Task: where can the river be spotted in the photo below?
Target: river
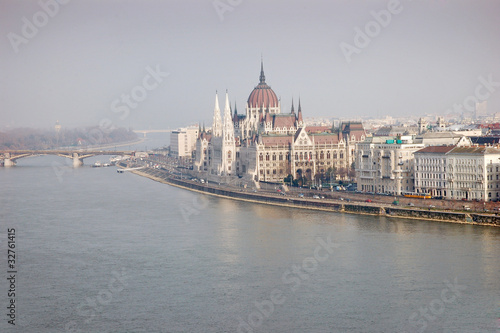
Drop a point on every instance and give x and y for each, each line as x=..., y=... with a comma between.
x=98, y=251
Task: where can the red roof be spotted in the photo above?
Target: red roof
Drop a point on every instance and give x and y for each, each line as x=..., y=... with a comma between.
x=284, y=120
x=277, y=140
x=262, y=96
x=435, y=149
x=318, y=129
x=326, y=138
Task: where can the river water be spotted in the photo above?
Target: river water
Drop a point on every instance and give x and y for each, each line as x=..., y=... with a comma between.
x=98, y=251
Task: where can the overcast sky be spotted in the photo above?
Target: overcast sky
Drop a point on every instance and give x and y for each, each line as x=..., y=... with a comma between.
x=77, y=61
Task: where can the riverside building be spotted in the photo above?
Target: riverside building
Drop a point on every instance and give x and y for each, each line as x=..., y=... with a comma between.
x=266, y=144
x=385, y=164
x=470, y=173
x=183, y=141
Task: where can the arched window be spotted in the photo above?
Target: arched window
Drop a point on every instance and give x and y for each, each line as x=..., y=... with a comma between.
x=229, y=154
x=261, y=158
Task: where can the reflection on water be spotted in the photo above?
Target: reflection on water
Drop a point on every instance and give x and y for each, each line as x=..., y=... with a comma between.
x=202, y=268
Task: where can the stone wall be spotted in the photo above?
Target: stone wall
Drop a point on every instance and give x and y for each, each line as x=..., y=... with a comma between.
x=426, y=214
x=489, y=219
x=357, y=208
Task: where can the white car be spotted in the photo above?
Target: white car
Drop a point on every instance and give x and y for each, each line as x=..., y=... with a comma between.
x=315, y=197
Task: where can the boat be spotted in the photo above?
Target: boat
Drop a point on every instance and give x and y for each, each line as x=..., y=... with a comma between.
x=97, y=164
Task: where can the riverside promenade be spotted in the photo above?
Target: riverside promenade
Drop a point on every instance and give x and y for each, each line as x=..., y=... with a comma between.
x=331, y=205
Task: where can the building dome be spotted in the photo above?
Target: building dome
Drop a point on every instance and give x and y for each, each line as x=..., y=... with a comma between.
x=262, y=95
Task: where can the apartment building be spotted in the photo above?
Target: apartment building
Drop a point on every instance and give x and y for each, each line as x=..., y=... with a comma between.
x=385, y=164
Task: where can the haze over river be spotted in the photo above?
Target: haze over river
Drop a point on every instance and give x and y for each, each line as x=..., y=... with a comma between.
x=98, y=251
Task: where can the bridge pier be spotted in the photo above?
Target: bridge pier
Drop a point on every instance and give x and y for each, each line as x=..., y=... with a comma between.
x=7, y=162
x=77, y=161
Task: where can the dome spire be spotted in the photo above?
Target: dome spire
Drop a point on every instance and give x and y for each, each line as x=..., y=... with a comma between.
x=262, y=76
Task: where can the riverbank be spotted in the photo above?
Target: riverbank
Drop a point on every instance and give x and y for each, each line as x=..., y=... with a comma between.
x=321, y=204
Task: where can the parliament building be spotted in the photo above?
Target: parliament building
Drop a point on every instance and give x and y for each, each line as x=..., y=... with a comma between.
x=266, y=144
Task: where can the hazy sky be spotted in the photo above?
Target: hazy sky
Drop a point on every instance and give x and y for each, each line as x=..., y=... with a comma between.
x=76, y=62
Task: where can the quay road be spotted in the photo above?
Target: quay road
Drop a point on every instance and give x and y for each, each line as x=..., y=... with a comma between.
x=170, y=169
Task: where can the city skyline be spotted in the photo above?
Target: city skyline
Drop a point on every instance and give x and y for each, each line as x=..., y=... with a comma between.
x=78, y=62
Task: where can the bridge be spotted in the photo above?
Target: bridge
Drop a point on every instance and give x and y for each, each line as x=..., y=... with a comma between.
x=144, y=132
x=9, y=157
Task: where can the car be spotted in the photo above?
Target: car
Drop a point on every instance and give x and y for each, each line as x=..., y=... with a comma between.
x=341, y=199
x=466, y=208
x=368, y=200
x=315, y=196
x=301, y=195
x=432, y=206
x=322, y=197
x=411, y=204
x=348, y=200
x=283, y=193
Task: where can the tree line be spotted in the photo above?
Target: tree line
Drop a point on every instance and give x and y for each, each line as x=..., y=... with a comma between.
x=30, y=138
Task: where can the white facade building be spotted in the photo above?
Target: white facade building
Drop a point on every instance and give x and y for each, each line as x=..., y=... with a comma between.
x=430, y=170
x=183, y=141
x=470, y=173
x=385, y=165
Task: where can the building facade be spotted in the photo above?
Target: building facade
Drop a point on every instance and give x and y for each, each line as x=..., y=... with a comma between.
x=470, y=173
x=265, y=144
x=430, y=170
x=183, y=141
x=385, y=164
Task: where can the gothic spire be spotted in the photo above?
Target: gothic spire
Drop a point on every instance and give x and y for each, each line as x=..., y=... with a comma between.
x=293, y=110
x=299, y=113
x=235, y=115
x=228, y=122
x=262, y=76
x=217, y=122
